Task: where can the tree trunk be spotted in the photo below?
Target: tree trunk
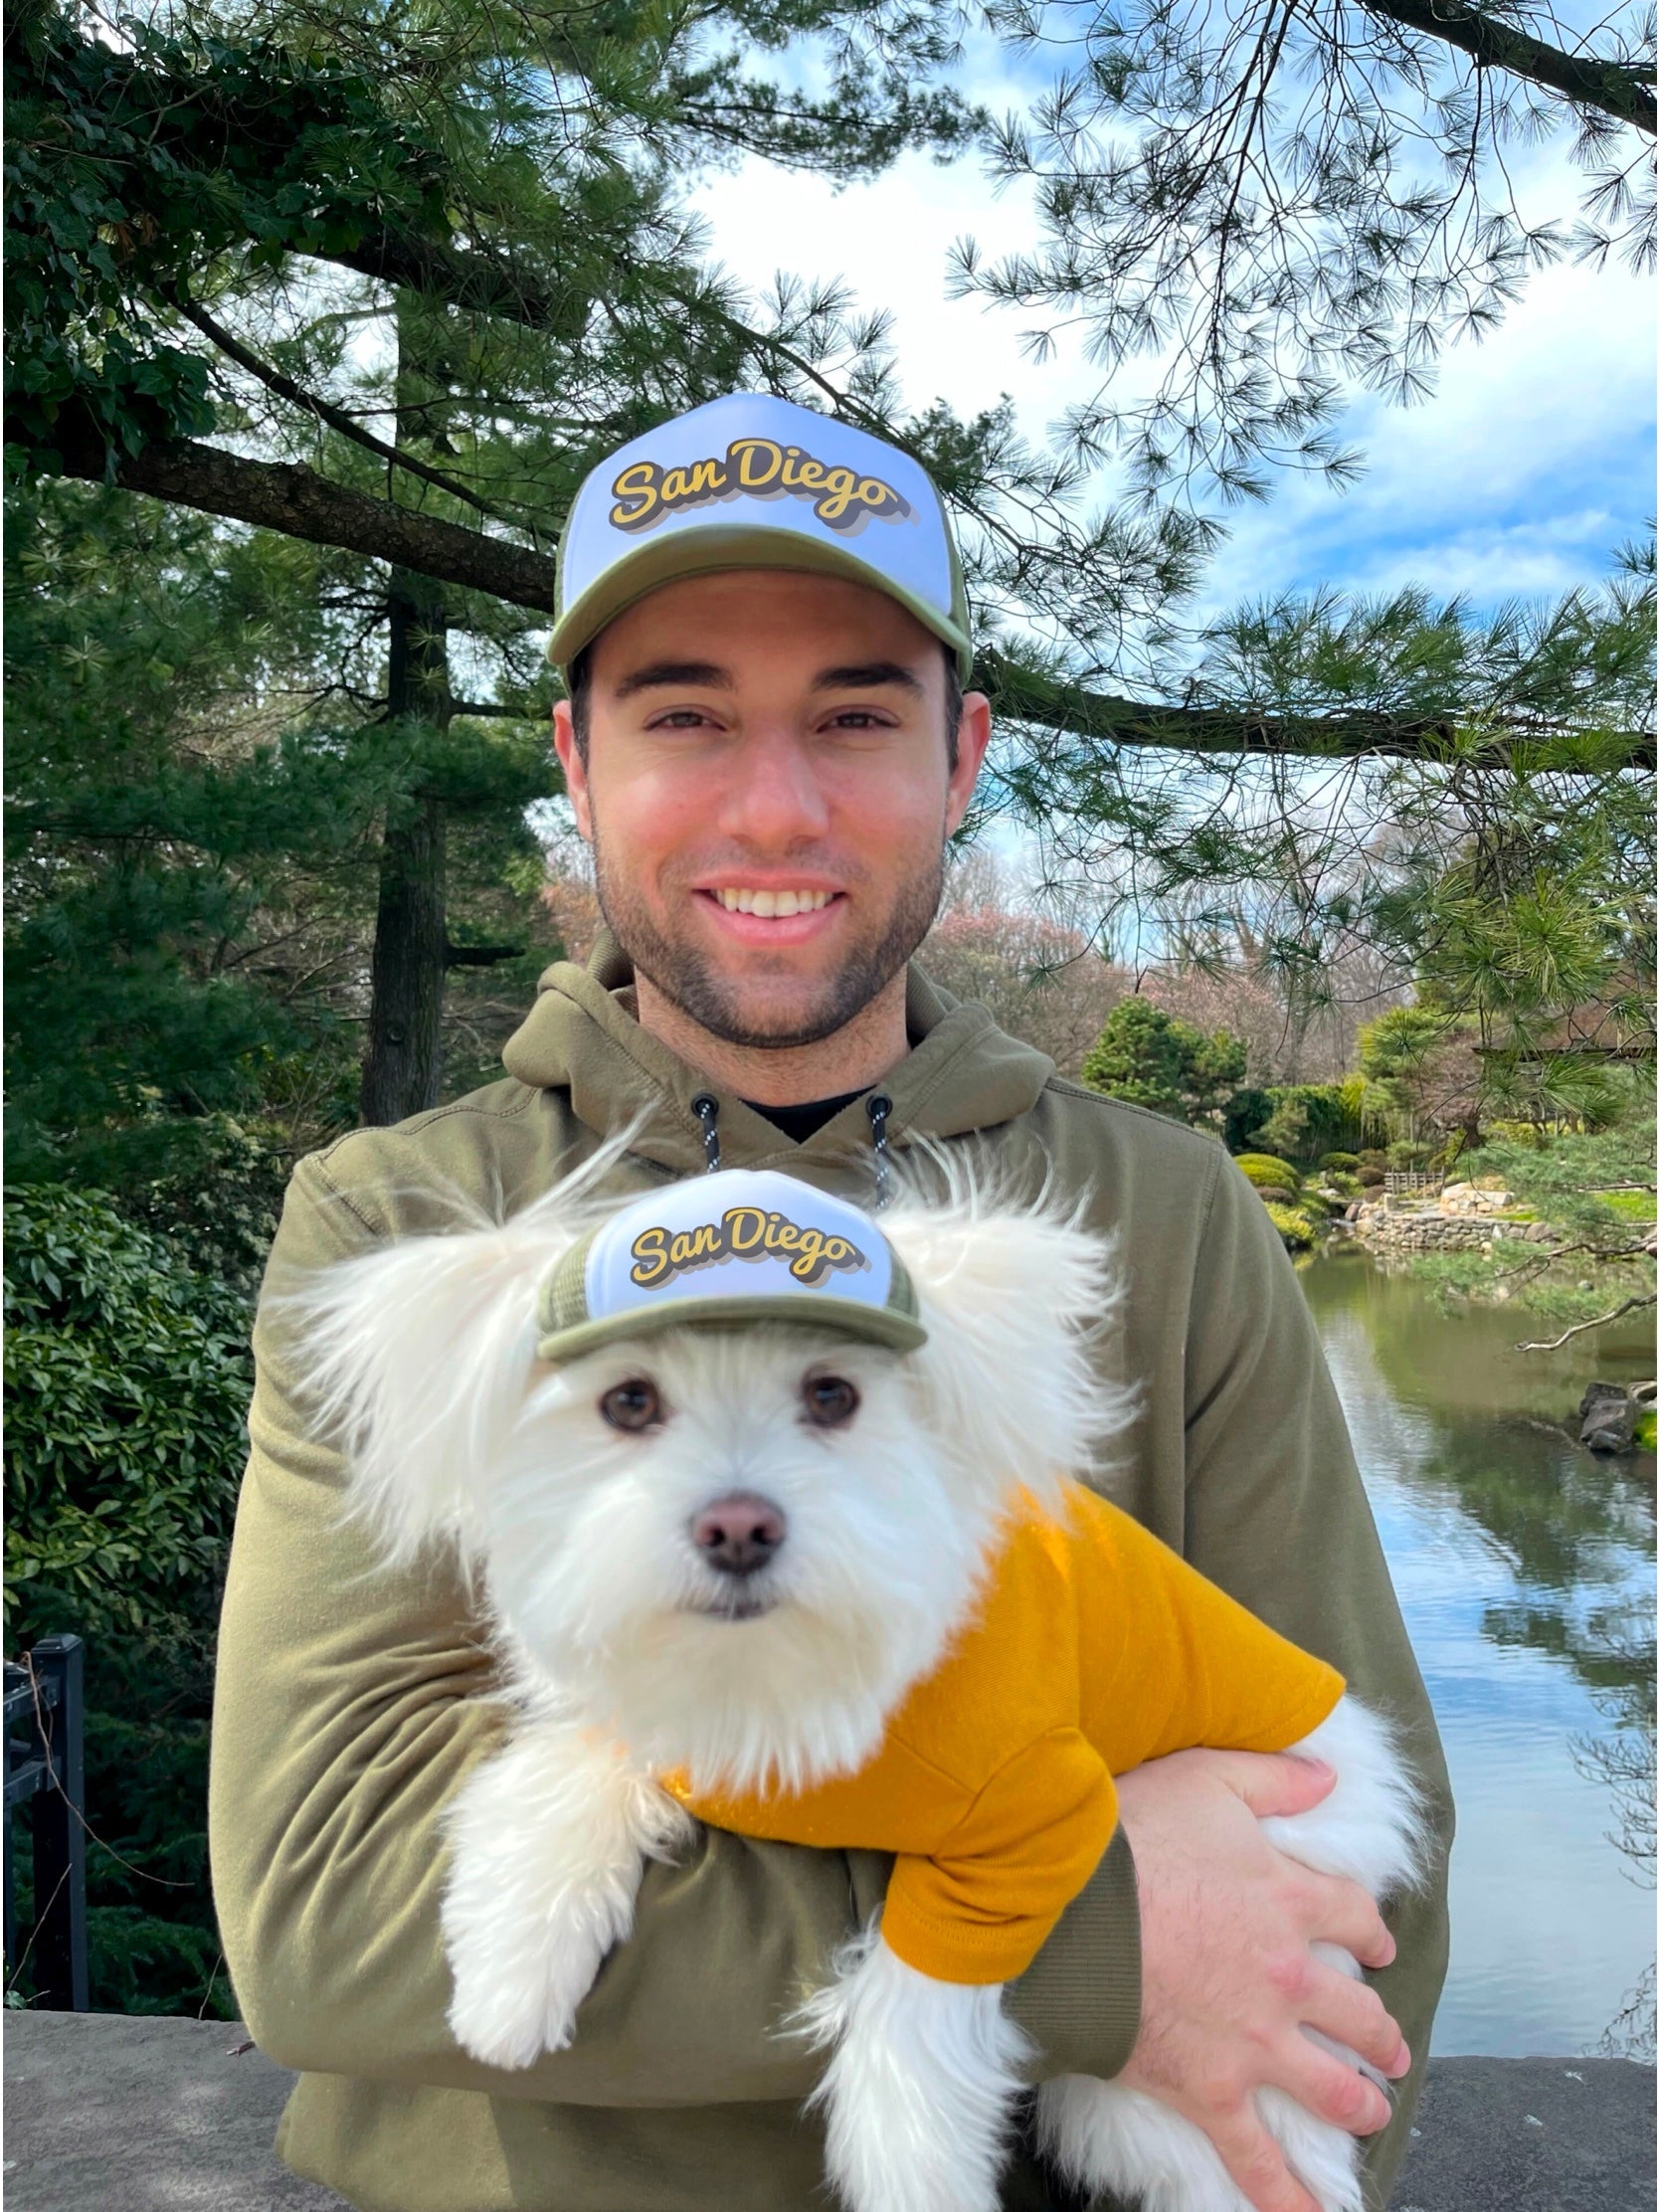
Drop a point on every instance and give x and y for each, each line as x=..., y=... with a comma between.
x=404, y=1063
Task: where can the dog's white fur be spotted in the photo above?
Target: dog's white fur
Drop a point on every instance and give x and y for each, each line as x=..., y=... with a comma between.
x=624, y=1660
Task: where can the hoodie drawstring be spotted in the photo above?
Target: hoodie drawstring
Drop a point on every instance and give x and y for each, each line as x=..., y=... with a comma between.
x=707, y=1110
x=878, y=1106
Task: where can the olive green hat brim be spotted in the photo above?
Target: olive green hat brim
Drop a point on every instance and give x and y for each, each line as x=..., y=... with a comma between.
x=881, y=1324
x=713, y=551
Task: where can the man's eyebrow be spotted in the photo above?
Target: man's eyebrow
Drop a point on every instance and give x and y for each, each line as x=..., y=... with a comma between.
x=657, y=673
x=866, y=676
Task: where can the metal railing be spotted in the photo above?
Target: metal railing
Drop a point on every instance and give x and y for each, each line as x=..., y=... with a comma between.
x=43, y=1774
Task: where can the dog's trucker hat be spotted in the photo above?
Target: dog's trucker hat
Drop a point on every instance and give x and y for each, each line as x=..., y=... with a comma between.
x=753, y=482
x=741, y=1246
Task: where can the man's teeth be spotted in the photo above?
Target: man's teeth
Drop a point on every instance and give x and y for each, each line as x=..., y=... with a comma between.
x=772, y=905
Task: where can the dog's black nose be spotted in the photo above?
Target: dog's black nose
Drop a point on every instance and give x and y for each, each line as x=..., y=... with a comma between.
x=739, y=1533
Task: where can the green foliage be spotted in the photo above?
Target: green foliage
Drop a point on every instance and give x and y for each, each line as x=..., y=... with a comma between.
x=1246, y=1110
x=128, y=1375
x=1268, y=1173
x=1151, y=1059
x=1294, y=1224
x=1340, y=1163
x=1563, y=1179
x=1306, y=1119
x=127, y=1381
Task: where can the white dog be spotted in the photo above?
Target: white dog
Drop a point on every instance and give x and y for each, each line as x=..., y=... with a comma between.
x=722, y=1538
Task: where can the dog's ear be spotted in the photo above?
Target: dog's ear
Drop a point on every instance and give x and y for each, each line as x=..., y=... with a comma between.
x=415, y=1357
x=1012, y=1298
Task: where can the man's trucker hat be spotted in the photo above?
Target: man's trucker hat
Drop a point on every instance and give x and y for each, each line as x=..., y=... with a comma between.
x=741, y=1246
x=753, y=482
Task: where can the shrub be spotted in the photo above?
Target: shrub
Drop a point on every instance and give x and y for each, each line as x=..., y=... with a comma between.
x=1370, y=1176
x=1307, y=1119
x=128, y=1375
x=1268, y=1173
x=1147, y=1058
x=1345, y=1185
x=1293, y=1226
x=1341, y=1162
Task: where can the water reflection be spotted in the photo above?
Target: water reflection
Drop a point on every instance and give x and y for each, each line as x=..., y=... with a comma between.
x=1523, y=1566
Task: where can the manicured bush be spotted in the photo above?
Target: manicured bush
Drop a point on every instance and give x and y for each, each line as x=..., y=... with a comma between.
x=1340, y=1163
x=1266, y=1173
x=1370, y=1176
x=1293, y=1224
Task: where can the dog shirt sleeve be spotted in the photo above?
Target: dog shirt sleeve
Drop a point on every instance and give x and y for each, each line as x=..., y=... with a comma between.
x=1171, y=1661
x=979, y=1908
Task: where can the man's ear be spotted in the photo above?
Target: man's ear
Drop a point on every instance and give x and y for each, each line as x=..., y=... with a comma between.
x=574, y=766
x=1011, y=1298
x=417, y=1356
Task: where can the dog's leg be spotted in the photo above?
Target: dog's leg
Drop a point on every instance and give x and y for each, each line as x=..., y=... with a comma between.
x=917, y=2093
x=1369, y=1829
x=547, y=1843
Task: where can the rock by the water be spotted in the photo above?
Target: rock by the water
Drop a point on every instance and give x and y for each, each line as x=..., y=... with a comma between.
x=1607, y=1419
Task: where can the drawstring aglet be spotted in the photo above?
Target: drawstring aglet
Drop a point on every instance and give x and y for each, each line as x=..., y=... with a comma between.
x=707, y=1110
x=877, y=1107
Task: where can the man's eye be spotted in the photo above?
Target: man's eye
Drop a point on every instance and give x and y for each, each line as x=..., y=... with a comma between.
x=830, y=1400
x=859, y=718
x=681, y=718
x=633, y=1406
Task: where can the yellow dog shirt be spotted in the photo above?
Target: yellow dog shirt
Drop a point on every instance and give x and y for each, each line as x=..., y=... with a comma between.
x=1093, y=1648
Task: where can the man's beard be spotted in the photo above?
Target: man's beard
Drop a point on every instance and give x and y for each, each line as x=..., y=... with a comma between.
x=685, y=978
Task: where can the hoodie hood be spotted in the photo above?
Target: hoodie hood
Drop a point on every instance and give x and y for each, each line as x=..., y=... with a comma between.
x=961, y=1074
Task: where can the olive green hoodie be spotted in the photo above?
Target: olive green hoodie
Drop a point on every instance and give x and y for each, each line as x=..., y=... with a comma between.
x=353, y=1701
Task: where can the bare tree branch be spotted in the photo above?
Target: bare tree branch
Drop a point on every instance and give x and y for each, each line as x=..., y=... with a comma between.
x=1631, y=1305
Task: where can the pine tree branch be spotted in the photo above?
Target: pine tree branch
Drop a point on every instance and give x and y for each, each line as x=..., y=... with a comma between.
x=279, y=495
x=1019, y=695
x=336, y=418
x=1631, y=1305
x=1616, y=88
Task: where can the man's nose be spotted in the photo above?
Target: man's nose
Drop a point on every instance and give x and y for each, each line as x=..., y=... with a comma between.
x=772, y=797
x=739, y=1533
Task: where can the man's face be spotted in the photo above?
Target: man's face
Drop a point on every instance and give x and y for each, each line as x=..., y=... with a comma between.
x=768, y=791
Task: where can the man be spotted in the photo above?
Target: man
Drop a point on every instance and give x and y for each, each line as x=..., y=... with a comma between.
x=763, y=633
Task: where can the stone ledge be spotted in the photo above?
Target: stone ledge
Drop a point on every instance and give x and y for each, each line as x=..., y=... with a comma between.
x=111, y=2114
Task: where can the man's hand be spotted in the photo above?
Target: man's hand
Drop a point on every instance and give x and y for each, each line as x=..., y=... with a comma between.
x=1227, y=1980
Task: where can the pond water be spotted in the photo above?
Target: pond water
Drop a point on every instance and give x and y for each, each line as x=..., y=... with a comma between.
x=1525, y=1570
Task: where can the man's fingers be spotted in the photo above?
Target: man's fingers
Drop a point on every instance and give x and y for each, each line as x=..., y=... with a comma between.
x=1257, y=2163
x=1354, y=2015
x=1332, y=2090
x=1342, y=1913
x=1275, y=1784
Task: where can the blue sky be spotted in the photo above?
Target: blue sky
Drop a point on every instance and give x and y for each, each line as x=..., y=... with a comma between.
x=1531, y=463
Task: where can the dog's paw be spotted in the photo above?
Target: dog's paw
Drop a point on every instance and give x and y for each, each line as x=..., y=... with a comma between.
x=513, y=2002
x=547, y=1844
x=919, y=2088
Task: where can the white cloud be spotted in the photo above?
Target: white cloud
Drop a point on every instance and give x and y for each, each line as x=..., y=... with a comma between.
x=1531, y=461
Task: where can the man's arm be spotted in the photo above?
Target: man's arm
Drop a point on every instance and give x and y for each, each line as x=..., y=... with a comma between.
x=1273, y=1510
x=351, y=1704
x=1276, y=1513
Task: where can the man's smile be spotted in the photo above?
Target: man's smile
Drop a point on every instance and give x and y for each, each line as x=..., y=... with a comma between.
x=771, y=914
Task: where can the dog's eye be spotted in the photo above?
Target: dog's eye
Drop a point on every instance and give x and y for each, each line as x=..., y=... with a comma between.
x=830, y=1399
x=631, y=1405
